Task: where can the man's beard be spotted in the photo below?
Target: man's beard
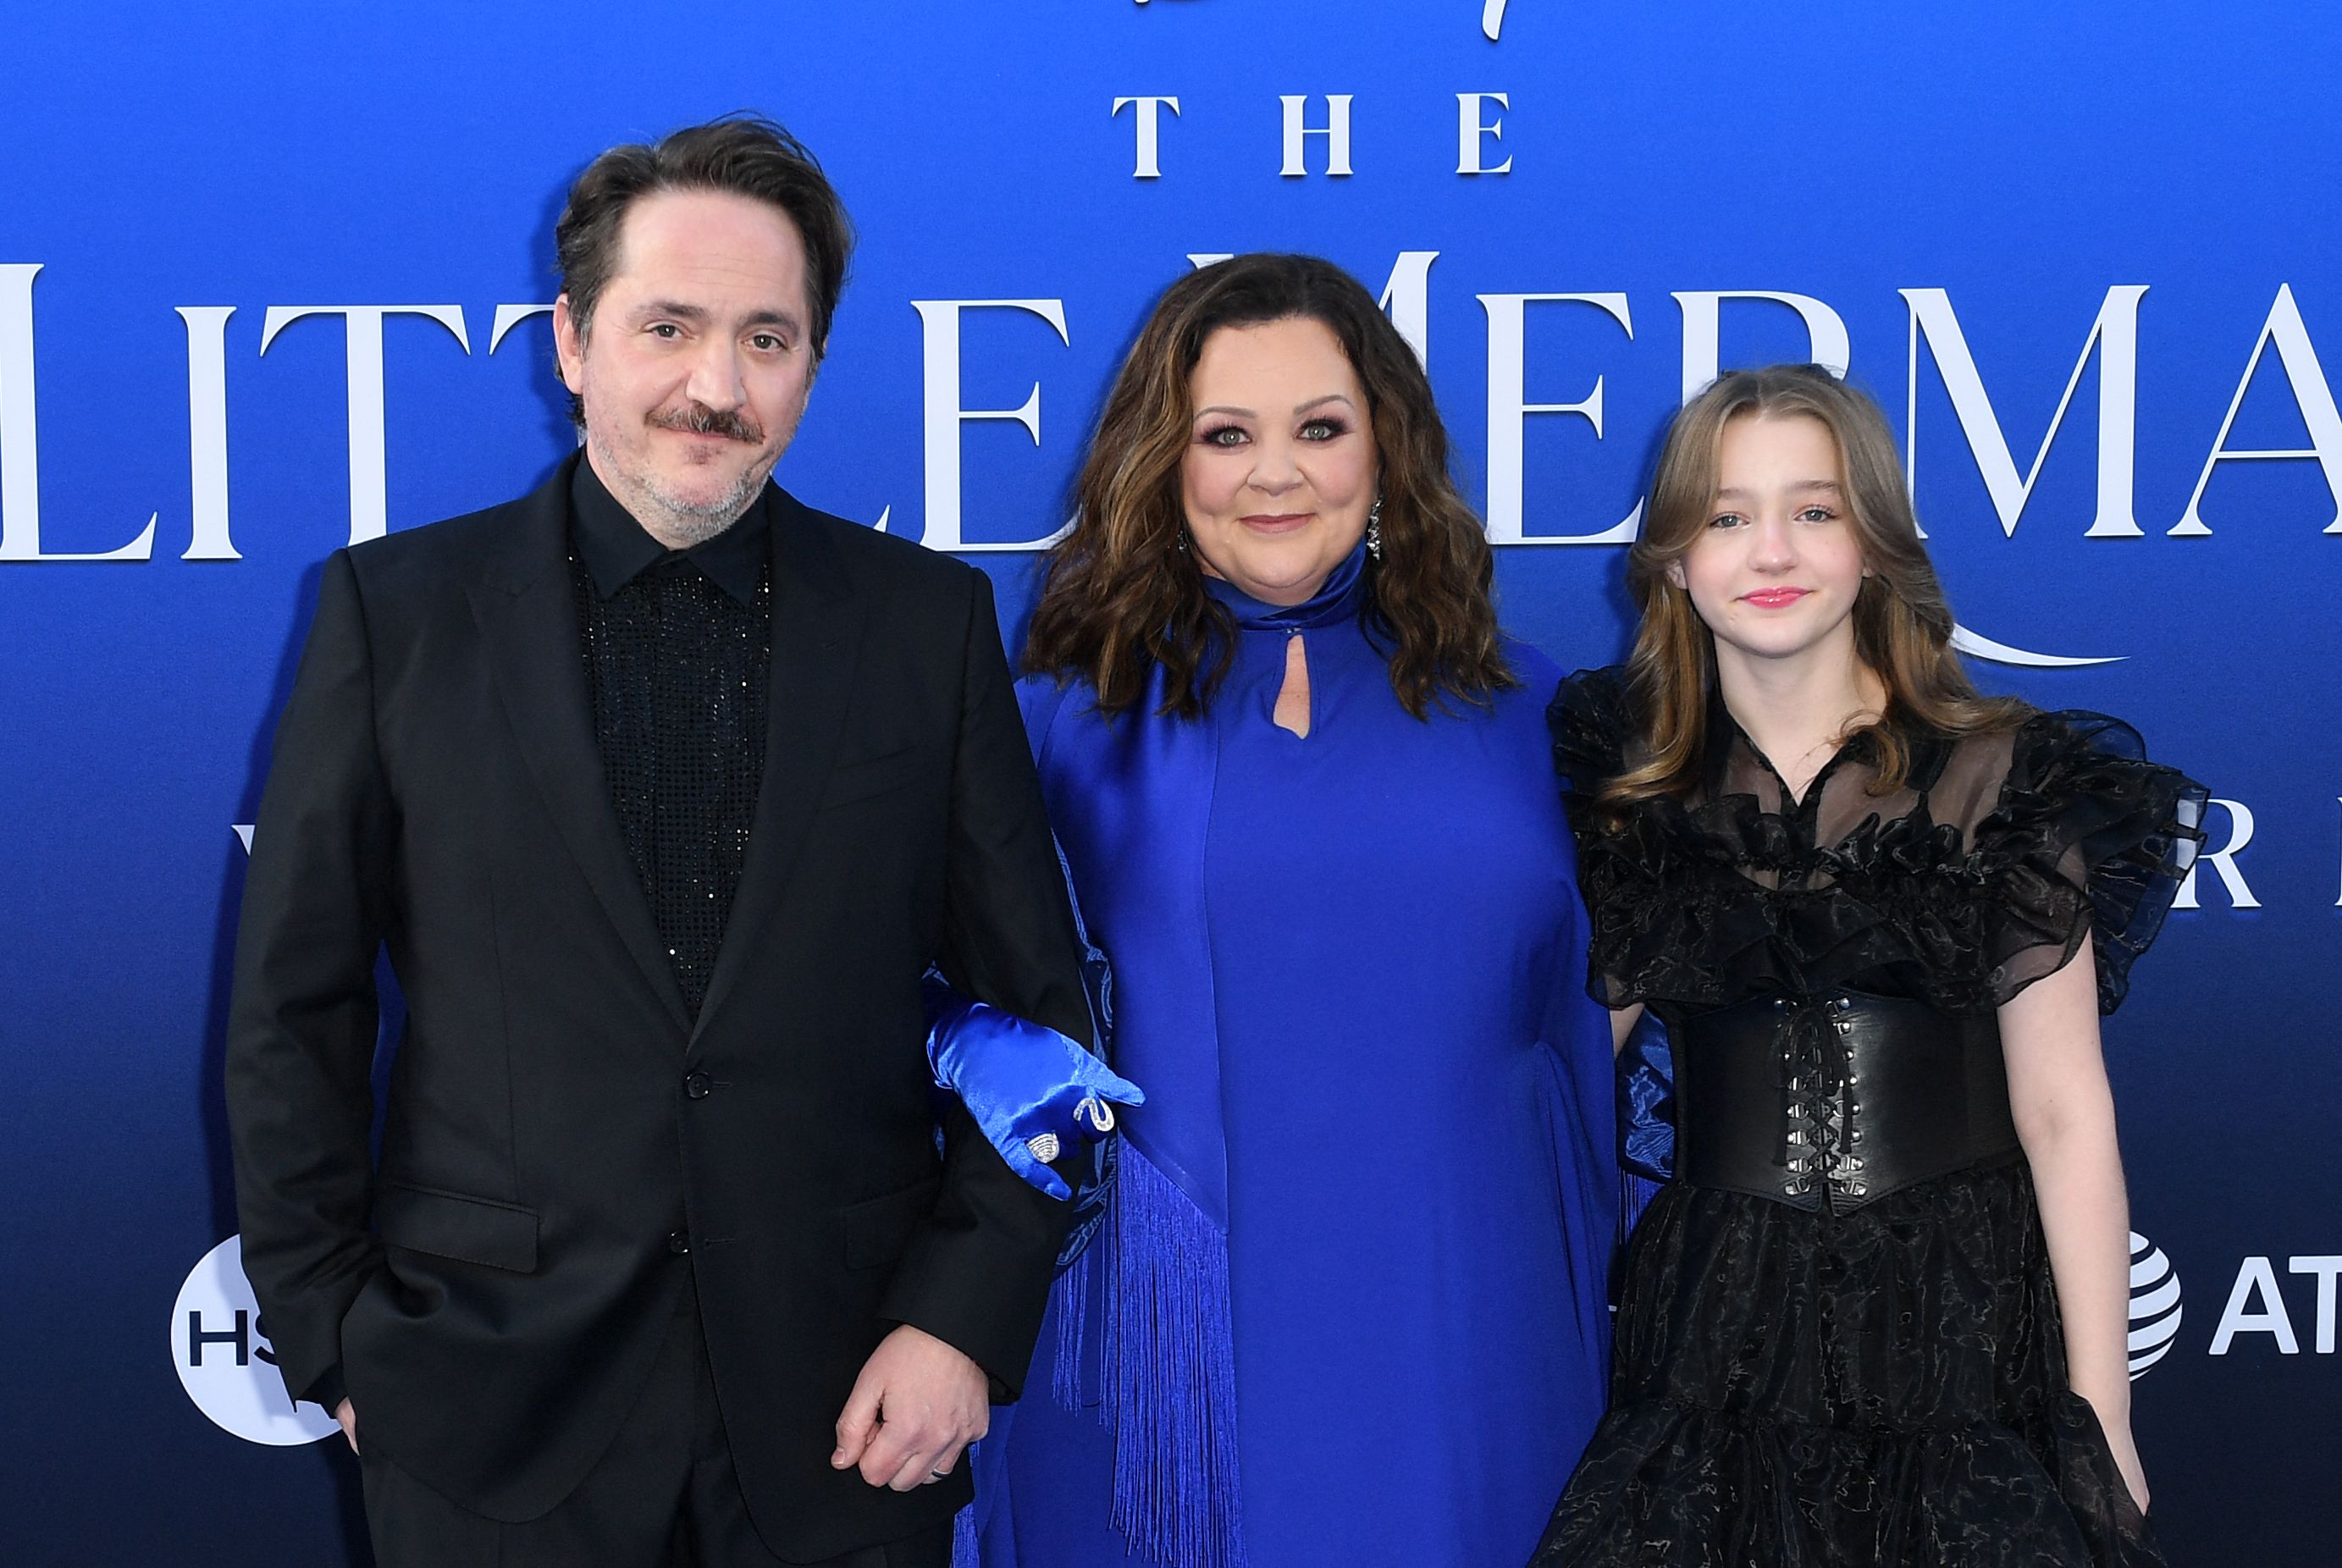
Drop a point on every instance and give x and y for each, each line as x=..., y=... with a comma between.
x=685, y=521
x=697, y=522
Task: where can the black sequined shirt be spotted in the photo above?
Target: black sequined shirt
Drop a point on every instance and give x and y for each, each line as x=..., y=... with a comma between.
x=677, y=648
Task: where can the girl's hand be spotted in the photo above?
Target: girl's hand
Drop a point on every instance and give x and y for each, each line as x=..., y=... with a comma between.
x=2125, y=1452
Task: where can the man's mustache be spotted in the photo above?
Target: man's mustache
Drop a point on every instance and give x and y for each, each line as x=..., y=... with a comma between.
x=698, y=419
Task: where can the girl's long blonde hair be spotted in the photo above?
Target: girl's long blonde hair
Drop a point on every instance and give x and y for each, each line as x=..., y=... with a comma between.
x=1902, y=624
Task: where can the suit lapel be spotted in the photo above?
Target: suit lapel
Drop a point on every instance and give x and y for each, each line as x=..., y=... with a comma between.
x=528, y=619
x=816, y=641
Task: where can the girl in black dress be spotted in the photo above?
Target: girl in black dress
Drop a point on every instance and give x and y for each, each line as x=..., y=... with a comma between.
x=1878, y=1316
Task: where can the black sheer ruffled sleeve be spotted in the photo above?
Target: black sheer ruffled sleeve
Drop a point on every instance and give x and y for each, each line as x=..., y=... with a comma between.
x=2088, y=836
x=1644, y=932
x=1960, y=890
x=1590, y=721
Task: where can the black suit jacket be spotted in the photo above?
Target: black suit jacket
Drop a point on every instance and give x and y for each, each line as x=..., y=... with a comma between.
x=558, y=1131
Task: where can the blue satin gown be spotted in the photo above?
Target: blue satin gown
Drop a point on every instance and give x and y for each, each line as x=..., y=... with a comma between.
x=1420, y=1177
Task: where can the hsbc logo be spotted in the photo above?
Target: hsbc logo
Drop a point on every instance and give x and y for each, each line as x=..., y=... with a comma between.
x=220, y=1349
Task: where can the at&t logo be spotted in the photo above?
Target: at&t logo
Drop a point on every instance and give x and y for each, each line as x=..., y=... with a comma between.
x=2258, y=1312
x=2153, y=1305
x=221, y=1350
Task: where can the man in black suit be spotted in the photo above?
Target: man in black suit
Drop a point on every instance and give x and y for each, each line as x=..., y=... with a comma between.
x=661, y=791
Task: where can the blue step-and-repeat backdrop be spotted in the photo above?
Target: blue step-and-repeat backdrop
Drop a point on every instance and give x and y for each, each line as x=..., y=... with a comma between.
x=275, y=278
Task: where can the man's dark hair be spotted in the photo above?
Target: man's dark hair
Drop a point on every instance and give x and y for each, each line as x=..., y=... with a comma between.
x=740, y=154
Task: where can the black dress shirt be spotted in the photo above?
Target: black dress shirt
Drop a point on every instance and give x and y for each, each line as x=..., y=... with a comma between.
x=677, y=646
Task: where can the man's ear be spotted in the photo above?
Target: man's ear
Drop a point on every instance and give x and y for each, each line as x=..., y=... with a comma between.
x=569, y=345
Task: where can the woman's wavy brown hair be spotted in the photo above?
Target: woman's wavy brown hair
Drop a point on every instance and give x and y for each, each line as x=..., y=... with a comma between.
x=1121, y=597
x=1902, y=624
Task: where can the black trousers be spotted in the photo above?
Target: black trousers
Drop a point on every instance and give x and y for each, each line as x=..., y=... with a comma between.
x=663, y=1496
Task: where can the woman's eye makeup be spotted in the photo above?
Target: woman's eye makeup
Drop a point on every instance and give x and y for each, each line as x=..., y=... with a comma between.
x=1222, y=435
x=1324, y=430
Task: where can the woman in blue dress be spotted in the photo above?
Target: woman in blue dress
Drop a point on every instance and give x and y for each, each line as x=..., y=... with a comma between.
x=1347, y=1305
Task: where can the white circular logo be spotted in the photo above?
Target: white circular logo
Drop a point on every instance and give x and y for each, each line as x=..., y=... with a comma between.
x=225, y=1362
x=2153, y=1305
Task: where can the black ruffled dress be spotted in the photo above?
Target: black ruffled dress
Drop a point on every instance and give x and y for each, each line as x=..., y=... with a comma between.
x=1862, y=1381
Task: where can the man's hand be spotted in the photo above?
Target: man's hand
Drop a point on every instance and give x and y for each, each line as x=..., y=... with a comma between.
x=349, y=1420
x=916, y=1406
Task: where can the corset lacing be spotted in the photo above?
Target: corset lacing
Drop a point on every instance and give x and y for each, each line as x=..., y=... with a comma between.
x=1818, y=1087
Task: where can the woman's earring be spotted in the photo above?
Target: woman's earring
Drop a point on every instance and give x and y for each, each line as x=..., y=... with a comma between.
x=1374, y=529
x=1179, y=543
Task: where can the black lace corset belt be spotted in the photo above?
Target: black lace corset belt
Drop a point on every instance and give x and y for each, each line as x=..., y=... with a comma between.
x=1837, y=1099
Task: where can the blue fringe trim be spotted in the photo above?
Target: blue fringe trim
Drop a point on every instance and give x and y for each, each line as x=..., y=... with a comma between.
x=1635, y=1195
x=1074, y=1287
x=1167, y=1372
x=963, y=1547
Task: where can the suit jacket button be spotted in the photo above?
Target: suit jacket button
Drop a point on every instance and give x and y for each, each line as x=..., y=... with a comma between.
x=678, y=1242
x=698, y=1086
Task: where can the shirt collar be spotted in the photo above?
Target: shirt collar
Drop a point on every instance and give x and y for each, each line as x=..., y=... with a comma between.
x=1724, y=734
x=616, y=549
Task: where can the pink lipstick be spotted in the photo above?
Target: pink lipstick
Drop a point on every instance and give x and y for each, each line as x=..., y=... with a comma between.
x=1775, y=598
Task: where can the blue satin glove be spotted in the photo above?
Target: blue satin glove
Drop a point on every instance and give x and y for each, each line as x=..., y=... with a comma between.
x=1033, y=1091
